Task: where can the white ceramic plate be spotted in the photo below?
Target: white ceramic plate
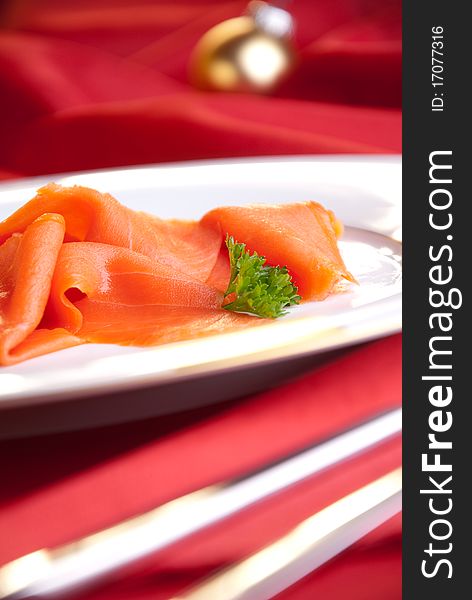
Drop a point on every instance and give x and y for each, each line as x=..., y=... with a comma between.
x=364, y=192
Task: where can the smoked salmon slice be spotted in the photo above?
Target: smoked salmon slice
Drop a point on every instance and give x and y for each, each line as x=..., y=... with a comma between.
x=94, y=217
x=302, y=237
x=76, y=266
x=27, y=263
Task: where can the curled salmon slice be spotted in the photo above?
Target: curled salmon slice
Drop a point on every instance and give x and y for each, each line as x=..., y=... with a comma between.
x=303, y=237
x=76, y=266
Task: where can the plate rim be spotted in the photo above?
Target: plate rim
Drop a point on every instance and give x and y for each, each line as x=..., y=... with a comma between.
x=390, y=324
x=289, y=158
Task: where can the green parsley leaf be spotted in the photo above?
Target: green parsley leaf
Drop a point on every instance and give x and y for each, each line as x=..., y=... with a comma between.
x=256, y=288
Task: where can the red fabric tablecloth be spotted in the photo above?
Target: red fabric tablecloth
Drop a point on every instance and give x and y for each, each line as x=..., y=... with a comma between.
x=65, y=486
x=98, y=84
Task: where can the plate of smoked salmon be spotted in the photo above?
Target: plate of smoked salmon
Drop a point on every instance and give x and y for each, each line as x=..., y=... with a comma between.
x=144, y=278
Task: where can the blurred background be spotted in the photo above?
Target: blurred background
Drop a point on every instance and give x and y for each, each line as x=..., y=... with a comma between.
x=88, y=84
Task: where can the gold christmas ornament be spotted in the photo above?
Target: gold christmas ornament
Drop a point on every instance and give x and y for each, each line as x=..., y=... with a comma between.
x=252, y=53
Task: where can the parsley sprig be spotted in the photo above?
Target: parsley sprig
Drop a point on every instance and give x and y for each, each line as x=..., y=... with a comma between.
x=256, y=288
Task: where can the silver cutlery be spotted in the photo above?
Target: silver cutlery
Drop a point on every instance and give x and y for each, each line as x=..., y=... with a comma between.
x=61, y=570
x=308, y=546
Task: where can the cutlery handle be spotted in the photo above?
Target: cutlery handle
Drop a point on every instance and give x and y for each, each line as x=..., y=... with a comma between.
x=52, y=571
x=312, y=543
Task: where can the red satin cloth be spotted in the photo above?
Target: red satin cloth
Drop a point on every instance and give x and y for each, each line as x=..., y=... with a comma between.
x=65, y=486
x=89, y=84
